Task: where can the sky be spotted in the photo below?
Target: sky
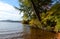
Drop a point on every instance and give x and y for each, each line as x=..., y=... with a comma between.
x=11, y=2
x=8, y=12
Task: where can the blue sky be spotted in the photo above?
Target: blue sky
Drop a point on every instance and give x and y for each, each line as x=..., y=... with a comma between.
x=11, y=2
x=15, y=2
x=8, y=12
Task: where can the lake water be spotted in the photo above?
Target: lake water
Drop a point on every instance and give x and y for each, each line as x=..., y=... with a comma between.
x=11, y=30
x=16, y=30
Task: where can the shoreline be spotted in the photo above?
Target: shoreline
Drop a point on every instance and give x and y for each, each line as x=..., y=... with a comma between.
x=12, y=21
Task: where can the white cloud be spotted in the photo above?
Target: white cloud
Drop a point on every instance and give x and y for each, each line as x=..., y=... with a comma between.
x=9, y=12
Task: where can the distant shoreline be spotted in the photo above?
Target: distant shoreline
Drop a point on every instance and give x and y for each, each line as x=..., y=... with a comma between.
x=9, y=21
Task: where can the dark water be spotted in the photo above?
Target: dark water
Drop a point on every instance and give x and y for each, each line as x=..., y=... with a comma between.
x=16, y=30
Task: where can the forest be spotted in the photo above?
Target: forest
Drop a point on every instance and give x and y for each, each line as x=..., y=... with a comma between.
x=43, y=14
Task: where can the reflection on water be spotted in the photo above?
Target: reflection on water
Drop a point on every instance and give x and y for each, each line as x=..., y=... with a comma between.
x=36, y=33
x=12, y=30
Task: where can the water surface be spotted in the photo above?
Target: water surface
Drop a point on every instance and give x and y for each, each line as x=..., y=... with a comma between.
x=16, y=30
x=10, y=29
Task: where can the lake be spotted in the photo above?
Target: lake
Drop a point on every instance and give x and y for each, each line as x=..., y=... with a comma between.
x=16, y=30
x=11, y=30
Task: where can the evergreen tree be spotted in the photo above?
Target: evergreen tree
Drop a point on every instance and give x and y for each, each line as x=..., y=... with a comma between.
x=41, y=13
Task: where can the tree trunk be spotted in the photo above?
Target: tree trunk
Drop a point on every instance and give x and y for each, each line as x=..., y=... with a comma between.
x=36, y=10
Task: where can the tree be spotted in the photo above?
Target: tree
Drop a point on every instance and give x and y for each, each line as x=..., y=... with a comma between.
x=40, y=13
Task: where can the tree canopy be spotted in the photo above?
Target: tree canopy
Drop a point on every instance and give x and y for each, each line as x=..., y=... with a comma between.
x=41, y=13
